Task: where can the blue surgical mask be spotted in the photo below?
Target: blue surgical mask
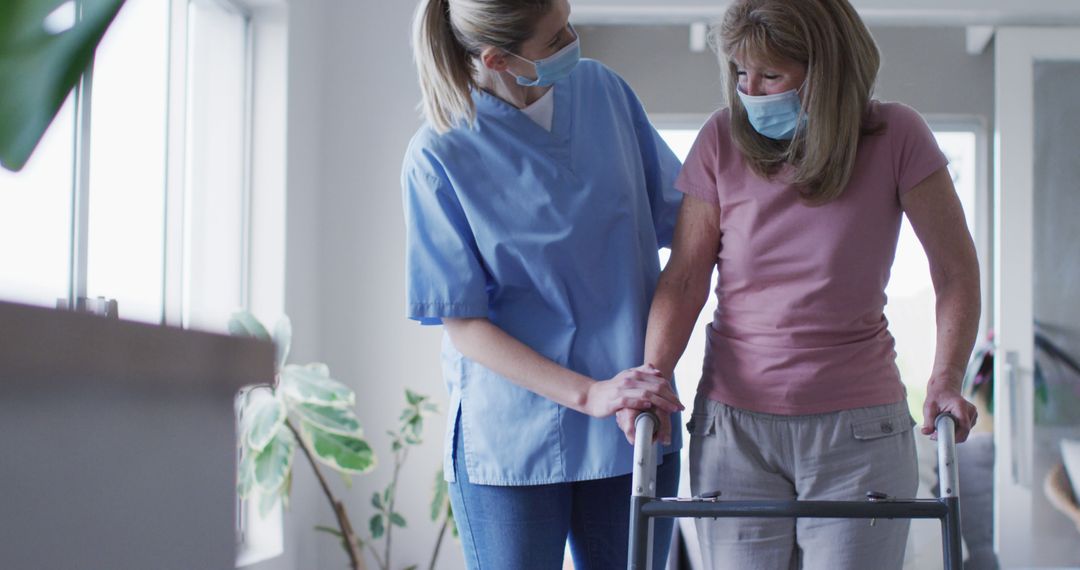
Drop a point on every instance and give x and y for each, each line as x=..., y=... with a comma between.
x=775, y=116
x=555, y=67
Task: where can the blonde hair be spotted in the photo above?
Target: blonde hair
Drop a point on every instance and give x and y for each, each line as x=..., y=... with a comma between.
x=841, y=60
x=449, y=34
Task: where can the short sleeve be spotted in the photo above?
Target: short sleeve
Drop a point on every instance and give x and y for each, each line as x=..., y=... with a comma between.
x=661, y=169
x=699, y=173
x=444, y=274
x=660, y=164
x=915, y=150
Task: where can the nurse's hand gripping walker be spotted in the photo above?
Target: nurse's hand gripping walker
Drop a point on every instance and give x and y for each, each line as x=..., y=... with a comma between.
x=644, y=506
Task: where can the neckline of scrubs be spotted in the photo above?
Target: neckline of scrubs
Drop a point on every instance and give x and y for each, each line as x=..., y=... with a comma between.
x=557, y=140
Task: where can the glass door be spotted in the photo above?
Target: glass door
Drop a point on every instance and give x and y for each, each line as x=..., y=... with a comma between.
x=1037, y=278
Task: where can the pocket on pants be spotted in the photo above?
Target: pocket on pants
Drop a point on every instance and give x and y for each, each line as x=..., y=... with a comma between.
x=701, y=425
x=882, y=426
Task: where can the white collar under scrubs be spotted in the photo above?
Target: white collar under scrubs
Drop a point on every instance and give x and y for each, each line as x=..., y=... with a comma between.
x=553, y=236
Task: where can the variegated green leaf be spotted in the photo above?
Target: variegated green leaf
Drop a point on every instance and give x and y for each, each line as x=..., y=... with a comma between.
x=342, y=453
x=272, y=464
x=286, y=490
x=264, y=416
x=317, y=368
x=341, y=421
x=440, y=498
x=282, y=340
x=309, y=385
x=243, y=323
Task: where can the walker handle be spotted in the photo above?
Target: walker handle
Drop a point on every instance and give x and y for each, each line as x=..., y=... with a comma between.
x=644, y=479
x=948, y=479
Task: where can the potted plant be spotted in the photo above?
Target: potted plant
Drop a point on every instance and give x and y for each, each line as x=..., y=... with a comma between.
x=305, y=408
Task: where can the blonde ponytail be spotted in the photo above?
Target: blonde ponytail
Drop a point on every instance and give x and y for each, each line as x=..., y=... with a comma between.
x=444, y=66
x=448, y=35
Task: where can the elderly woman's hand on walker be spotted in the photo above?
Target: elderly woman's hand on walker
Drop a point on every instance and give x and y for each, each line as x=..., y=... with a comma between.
x=627, y=415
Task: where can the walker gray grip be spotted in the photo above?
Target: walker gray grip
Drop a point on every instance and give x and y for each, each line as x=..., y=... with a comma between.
x=946, y=439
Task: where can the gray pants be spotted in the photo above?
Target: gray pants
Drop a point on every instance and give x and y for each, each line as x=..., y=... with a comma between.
x=836, y=456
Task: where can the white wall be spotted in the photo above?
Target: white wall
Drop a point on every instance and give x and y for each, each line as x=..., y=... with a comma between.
x=352, y=108
x=927, y=68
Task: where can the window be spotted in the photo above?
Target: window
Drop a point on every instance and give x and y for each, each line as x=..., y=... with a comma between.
x=216, y=169
x=141, y=190
x=125, y=230
x=35, y=218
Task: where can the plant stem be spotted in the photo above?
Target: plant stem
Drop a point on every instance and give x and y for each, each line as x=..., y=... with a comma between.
x=399, y=459
x=351, y=548
x=438, y=543
x=375, y=553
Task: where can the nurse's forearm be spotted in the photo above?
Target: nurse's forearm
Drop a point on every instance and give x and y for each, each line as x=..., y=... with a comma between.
x=482, y=341
x=675, y=308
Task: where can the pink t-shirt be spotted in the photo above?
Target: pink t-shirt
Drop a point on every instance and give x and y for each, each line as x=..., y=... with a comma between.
x=800, y=326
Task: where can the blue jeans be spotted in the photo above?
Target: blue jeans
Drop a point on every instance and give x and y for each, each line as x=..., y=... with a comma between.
x=526, y=527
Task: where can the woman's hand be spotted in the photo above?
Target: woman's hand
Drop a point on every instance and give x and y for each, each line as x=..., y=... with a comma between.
x=627, y=420
x=640, y=388
x=947, y=400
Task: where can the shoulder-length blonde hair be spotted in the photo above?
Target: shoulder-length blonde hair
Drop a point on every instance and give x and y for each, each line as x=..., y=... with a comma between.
x=841, y=60
x=449, y=34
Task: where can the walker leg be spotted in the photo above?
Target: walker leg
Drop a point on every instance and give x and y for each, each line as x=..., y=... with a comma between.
x=640, y=536
x=643, y=488
x=950, y=535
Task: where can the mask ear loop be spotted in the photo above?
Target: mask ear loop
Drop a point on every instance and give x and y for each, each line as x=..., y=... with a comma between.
x=535, y=70
x=803, y=116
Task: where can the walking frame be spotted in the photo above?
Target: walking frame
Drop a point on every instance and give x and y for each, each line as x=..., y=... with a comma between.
x=645, y=506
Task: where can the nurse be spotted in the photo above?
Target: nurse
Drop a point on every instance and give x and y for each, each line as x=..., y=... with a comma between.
x=536, y=197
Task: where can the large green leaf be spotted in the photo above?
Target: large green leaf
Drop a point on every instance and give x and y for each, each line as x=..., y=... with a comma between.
x=40, y=65
x=264, y=416
x=342, y=453
x=312, y=384
x=243, y=323
x=273, y=463
x=341, y=421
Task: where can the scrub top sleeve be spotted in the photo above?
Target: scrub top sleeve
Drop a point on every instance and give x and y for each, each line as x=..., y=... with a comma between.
x=444, y=274
x=661, y=169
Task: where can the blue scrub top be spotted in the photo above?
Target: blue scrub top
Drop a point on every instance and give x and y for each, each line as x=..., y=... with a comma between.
x=552, y=236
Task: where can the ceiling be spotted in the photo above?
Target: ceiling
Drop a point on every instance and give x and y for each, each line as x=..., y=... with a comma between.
x=875, y=12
